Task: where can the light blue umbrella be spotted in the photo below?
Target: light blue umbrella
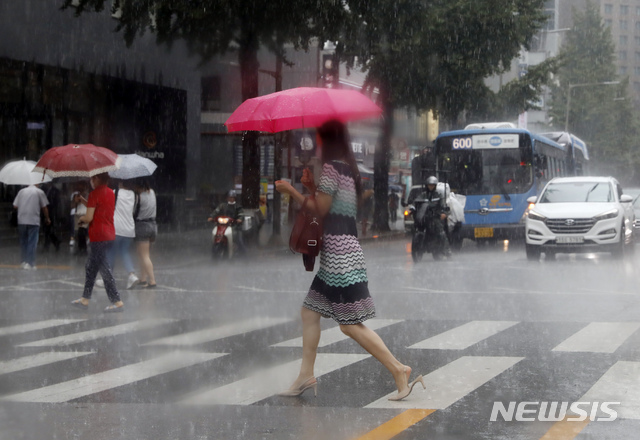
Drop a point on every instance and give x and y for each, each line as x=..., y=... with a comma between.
x=133, y=166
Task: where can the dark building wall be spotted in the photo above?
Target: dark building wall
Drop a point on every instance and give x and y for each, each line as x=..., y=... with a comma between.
x=144, y=89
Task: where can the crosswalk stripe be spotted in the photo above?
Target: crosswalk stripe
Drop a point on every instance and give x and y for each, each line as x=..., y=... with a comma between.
x=599, y=337
x=451, y=382
x=464, y=336
x=621, y=383
x=38, y=360
x=96, y=383
x=269, y=382
x=216, y=333
x=104, y=332
x=40, y=325
x=333, y=335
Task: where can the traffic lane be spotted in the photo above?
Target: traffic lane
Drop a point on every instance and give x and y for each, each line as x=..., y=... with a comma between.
x=493, y=284
x=488, y=284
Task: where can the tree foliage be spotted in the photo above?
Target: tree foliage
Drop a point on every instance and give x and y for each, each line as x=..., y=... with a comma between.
x=600, y=114
x=214, y=27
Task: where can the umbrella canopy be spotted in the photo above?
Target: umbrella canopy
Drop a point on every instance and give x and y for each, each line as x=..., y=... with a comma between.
x=133, y=166
x=299, y=108
x=20, y=172
x=84, y=160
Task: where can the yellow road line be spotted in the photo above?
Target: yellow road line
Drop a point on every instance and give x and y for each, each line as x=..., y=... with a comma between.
x=565, y=430
x=17, y=266
x=397, y=425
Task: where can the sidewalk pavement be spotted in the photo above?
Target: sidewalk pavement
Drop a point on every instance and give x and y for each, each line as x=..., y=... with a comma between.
x=177, y=247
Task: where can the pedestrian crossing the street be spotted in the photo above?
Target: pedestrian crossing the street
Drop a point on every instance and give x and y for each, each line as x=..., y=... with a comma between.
x=445, y=353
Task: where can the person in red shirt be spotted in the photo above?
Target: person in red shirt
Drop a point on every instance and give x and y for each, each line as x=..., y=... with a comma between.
x=102, y=233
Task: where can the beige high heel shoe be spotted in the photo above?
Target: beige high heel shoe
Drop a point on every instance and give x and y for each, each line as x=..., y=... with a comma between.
x=406, y=393
x=295, y=392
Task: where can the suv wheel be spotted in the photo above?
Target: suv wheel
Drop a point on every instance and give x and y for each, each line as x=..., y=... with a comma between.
x=533, y=252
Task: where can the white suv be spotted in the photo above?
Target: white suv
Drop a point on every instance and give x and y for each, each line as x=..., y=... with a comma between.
x=580, y=214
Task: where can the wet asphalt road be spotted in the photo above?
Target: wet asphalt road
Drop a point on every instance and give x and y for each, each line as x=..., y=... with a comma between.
x=203, y=355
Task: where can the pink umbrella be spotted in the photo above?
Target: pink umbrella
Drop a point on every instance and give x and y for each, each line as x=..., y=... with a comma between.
x=299, y=108
x=84, y=160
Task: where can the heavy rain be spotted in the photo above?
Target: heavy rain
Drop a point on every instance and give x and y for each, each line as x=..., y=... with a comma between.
x=472, y=165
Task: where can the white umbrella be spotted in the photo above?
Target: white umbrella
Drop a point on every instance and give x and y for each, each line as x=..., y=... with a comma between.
x=20, y=172
x=133, y=166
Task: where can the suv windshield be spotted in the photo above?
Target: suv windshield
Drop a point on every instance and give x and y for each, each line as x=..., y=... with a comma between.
x=576, y=192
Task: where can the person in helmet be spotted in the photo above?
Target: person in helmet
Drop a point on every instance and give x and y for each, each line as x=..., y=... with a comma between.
x=230, y=208
x=437, y=226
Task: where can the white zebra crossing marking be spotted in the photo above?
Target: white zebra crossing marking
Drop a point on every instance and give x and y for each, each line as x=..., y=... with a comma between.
x=464, y=336
x=96, y=383
x=40, y=325
x=599, y=337
x=216, y=333
x=269, y=382
x=451, y=382
x=621, y=383
x=38, y=360
x=104, y=332
x=333, y=335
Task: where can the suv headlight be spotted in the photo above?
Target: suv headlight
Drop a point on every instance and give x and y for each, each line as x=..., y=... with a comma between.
x=606, y=215
x=535, y=216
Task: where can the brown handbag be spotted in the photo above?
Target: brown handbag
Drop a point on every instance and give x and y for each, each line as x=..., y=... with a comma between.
x=306, y=236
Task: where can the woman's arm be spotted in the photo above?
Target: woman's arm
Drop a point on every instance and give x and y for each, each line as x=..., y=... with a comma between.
x=88, y=217
x=320, y=205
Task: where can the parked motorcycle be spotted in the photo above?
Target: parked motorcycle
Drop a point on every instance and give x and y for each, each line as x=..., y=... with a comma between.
x=425, y=233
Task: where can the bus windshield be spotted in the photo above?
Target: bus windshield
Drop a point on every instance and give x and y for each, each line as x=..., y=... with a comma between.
x=485, y=171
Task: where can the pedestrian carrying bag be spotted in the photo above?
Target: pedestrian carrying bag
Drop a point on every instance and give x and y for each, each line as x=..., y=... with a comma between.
x=306, y=236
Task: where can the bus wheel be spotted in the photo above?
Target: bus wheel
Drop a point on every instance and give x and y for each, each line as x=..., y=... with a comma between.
x=533, y=252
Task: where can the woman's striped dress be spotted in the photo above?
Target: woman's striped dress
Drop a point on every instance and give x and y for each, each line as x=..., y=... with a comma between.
x=340, y=288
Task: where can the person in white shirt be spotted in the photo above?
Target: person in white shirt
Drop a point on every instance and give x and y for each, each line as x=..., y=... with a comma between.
x=29, y=202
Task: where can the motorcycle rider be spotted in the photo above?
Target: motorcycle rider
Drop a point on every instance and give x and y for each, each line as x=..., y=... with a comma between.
x=231, y=209
x=436, y=225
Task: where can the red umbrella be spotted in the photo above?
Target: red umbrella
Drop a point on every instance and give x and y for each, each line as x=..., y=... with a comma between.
x=84, y=160
x=299, y=108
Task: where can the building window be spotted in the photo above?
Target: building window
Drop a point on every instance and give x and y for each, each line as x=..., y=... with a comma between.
x=608, y=9
x=210, y=93
x=637, y=40
x=623, y=40
x=637, y=57
x=636, y=87
x=624, y=25
x=636, y=71
x=622, y=70
x=637, y=10
x=608, y=22
x=622, y=55
x=637, y=25
x=624, y=9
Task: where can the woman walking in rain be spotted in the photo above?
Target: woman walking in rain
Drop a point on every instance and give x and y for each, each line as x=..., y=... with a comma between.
x=145, y=231
x=340, y=288
x=102, y=233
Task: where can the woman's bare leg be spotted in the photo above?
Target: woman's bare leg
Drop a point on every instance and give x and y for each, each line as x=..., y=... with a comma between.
x=370, y=341
x=146, y=272
x=310, y=339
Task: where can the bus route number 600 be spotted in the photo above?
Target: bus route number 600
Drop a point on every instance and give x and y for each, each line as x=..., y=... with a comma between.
x=462, y=143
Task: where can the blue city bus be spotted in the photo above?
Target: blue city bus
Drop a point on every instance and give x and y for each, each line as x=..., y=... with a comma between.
x=497, y=169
